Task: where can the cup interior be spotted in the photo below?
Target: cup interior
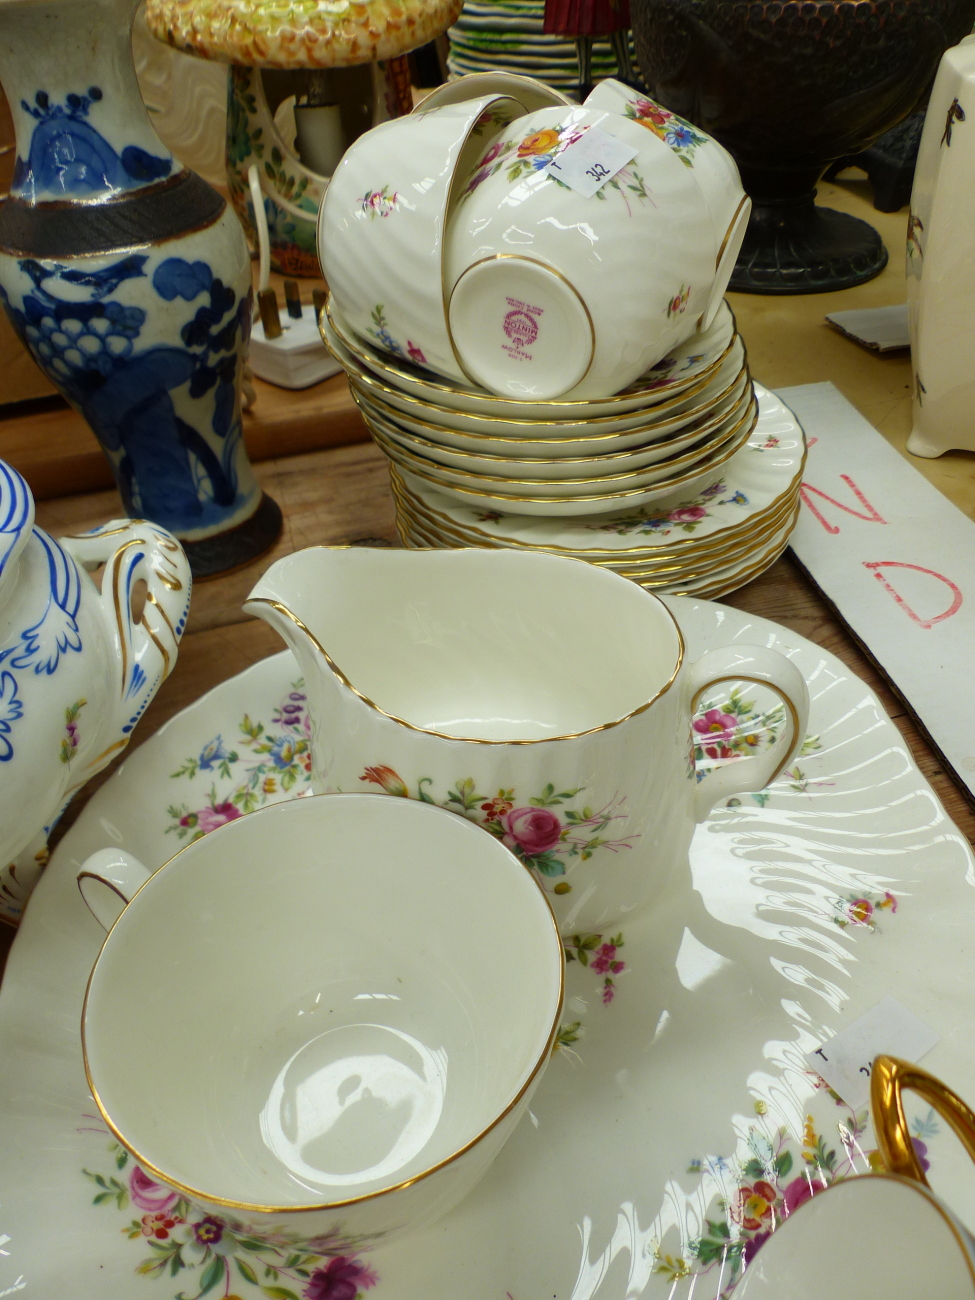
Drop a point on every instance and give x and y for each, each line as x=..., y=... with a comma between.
x=486, y=644
x=304, y=1007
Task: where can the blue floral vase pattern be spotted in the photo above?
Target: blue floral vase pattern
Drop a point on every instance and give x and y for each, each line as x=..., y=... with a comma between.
x=128, y=279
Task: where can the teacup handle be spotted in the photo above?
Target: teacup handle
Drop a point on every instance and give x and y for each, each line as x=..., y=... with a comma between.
x=762, y=667
x=889, y=1078
x=108, y=881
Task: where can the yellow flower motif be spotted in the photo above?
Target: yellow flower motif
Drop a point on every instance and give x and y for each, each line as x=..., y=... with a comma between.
x=761, y=1108
x=270, y=785
x=540, y=142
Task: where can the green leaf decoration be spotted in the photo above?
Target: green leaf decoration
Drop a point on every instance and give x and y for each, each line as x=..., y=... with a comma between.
x=245, y=1270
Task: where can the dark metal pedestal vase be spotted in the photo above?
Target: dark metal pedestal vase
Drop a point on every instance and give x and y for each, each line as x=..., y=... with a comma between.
x=788, y=88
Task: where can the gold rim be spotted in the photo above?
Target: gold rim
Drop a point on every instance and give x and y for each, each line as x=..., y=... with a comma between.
x=705, y=443
x=630, y=393
x=468, y=740
x=737, y=580
x=252, y=1208
x=663, y=488
x=727, y=233
x=727, y=552
x=685, y=431
x=720, y=544
x=588, y=553
x=365, y=376
x=731, y=582
x=534, y=261
x=689, y=415
x=664, y=562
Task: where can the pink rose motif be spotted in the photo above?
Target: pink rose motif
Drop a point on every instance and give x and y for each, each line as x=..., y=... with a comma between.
x=533, y=830
x=492, y=153
x=147, y=1195
x=716, y=726
x=687, y=514
x=208, y=819
x=342, y=1278
x=797, y=1193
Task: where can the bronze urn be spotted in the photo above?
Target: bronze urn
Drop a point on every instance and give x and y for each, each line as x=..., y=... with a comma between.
x=789, y=86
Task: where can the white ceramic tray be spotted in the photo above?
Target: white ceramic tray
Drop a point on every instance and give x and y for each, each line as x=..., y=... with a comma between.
x=678, y=1121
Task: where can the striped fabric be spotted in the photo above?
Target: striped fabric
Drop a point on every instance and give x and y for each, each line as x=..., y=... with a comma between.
x=506, y=36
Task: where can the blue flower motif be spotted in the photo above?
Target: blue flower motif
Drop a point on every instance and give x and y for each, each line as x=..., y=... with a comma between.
x=736, y=499
x=679, y=134
x=212, y=753
x=11, y=708
x=283, y=752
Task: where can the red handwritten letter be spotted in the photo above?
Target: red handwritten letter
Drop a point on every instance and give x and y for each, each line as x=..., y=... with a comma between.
x=956, y=597
x=872, y=516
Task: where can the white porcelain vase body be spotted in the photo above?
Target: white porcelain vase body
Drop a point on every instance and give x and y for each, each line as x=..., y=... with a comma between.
x=941, y=263
x=76, y=670
x=543, y=698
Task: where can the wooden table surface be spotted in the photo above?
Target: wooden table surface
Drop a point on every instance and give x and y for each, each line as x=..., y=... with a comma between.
x=341, y=495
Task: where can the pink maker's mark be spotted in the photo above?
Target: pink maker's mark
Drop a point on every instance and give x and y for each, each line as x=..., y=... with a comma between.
x=872, y=516
x=956, y=596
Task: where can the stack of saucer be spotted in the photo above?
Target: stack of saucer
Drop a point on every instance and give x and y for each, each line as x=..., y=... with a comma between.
x=705, y=541
x=672, y=431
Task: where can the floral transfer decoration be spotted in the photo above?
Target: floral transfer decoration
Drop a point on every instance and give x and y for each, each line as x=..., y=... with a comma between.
x=263, y=763
x=379, y=330
x=538, y=151
x=677, y=134
x=545, y=841
x=732, y=730
x=678, y=304
x=685, y=518
x=69, y=741
x=774, y=1176
x=862, y=911
x=378, y=203
x=601, y=956
x=203, y=1254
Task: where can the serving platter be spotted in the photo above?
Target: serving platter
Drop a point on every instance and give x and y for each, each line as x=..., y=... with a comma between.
x=679, y=1121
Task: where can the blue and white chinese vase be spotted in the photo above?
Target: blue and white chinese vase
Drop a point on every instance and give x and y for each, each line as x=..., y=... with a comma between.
x=128, y=279
x=77, y=669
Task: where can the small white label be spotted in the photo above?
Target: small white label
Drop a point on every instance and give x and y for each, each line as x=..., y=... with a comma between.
x=889, y=1029
x=592, y=160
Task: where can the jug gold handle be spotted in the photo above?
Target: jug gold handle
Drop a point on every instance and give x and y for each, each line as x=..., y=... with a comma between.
x=889, y=1079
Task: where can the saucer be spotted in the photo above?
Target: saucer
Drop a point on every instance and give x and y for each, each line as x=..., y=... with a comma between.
x=754, y=486
x=688, y=367
x=679, y=1120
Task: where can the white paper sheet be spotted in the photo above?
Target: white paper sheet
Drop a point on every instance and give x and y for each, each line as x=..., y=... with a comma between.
x=898, y=561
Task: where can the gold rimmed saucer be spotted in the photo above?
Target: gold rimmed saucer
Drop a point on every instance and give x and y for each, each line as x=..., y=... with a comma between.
x=432, y=437
x=410, y=515
x=438, y=416
x=477, y=536
x=373, y=360
x=424, y=451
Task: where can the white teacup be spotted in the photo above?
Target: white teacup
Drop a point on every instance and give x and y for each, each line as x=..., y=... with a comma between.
x=553, y=293
x=364, y=1044
x=712, y=166
x=381, y=225
x=924, y=1251
x=542, y=697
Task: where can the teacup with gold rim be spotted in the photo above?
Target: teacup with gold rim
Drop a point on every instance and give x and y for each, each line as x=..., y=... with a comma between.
x=362, y=1046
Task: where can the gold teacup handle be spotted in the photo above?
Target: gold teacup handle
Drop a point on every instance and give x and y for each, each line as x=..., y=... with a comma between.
x=889, y=1079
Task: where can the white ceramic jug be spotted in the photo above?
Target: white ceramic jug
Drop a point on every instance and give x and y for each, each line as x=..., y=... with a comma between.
x=941, y=263
x=544, y=698
x=76, y=670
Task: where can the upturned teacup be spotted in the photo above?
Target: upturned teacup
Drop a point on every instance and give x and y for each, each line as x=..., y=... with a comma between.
x=553, y=292
x=364, y=1047
x=543, y=698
